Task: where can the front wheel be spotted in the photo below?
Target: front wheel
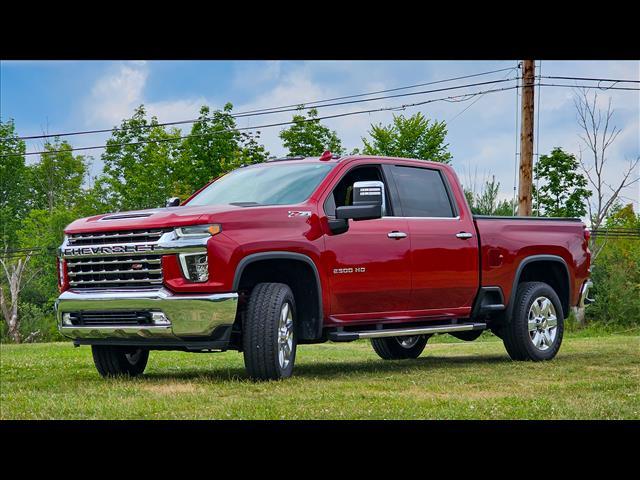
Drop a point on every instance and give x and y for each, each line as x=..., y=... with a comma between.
x=114, y=361
x=396, y=348
x=268, y=335
x=537, y=324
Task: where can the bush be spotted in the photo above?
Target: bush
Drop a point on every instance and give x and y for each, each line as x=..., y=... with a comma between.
x=34, y=318
x=616, y=275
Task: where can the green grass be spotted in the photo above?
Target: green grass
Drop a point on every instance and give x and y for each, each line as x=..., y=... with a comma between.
x=592, y=377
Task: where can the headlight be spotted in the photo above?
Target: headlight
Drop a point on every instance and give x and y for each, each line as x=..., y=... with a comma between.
x=195, y=266
x=199, y=231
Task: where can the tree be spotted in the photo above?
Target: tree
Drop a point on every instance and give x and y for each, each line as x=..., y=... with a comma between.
x=563, y=192
x=307, y=137
x=597, y=136
x=140, y=164
x=413, y=137
x=215, y=147
x=13, y=180
x=486, y=201
x=56, y=180
x=14, y=269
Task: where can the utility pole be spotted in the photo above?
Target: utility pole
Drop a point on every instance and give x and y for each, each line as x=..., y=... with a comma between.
x=525, y=185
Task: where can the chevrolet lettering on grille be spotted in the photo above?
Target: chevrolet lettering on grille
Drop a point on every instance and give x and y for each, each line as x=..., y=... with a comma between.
x=108, y=250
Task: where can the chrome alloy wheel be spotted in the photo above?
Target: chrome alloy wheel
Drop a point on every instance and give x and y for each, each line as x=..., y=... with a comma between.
x=408, y=342
x=543, y=323
x=285, y=336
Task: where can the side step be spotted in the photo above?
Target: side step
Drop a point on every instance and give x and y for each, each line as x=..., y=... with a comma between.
x=343, y=336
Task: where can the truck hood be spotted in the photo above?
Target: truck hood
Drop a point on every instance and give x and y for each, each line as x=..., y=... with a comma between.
x=151, y=218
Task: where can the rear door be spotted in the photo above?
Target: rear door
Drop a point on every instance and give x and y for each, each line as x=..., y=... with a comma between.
x=444, y=244
x=369, y=266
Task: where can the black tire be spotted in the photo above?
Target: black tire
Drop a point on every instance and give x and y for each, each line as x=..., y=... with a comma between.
x=518, y=340
x=391, y=348
x=260, y=332
x=115, y=361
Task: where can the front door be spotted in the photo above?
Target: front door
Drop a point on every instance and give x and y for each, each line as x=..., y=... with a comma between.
x=369, y=265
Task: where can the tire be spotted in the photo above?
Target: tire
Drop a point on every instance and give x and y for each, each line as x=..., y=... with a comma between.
x=398, y=348
x=268, y=334
x=116, y=361
x=540, y=338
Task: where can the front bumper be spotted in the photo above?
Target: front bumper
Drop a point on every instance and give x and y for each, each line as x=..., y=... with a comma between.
x=190, y=315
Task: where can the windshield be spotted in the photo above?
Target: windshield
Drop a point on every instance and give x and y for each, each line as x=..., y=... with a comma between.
x=270, y=185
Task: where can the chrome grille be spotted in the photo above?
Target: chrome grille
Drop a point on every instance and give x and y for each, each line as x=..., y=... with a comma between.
x=111, y=238
x=120, y=271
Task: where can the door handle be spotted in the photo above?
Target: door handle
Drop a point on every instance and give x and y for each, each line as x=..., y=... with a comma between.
x=464, y=235
x=396, y=235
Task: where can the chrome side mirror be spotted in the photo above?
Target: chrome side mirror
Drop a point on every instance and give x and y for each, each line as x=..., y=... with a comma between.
x=173, y=202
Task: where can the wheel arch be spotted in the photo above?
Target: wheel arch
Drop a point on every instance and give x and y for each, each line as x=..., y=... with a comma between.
x=289, y=268
x=550, y=269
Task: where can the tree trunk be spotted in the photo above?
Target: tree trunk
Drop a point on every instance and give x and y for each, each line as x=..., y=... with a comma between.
x=580, y=316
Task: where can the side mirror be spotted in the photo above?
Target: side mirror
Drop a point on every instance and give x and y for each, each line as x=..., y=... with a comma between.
x=368, y=202
x=173, y=202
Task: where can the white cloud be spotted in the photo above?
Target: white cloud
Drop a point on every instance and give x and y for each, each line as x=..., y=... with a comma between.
x=115, y=95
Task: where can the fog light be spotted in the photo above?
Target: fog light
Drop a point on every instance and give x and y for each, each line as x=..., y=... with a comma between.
x=66, y=319
x=195, y=266
x=159, y=318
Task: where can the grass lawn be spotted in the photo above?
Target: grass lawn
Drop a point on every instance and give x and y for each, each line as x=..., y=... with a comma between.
x=597, y=377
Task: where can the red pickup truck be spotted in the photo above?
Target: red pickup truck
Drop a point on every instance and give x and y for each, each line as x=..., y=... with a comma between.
x=305, y=250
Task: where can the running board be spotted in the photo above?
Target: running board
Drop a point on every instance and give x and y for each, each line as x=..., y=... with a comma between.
x=401, y=332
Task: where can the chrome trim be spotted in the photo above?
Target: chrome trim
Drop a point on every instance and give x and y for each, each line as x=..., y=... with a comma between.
x=191, y=315
x=584, y=294
x=168, y=243
x=397, y=235
x=464, y=235
x=401, y=332
x=113, y=272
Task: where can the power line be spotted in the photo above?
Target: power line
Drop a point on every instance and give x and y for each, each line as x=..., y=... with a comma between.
x=315, y=119
x=615, y=80
x=588, y=86
x=274, y=110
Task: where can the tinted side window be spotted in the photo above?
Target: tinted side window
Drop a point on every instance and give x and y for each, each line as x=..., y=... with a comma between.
x=343, y=192
x=422, y=192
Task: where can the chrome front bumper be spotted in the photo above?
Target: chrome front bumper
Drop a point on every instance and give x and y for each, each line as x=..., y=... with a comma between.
x=584, y=294
x=190, y=315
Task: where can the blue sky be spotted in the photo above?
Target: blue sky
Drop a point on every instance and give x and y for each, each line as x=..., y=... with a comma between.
x=57, y=96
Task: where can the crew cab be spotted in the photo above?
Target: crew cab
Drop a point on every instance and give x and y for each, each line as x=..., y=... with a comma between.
x=306, y=250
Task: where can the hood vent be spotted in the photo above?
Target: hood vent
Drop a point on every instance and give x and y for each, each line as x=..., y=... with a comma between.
x=126, y=215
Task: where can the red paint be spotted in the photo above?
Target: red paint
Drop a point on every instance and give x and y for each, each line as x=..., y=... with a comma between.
x=431, y=274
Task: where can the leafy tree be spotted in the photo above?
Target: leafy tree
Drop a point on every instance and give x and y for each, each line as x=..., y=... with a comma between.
x=140, y=164
x=413, y=137
x=563, y=192
x=56, y=180
x=308, y=137
x=616, y=274
x=13, y=183
x=215, y=147
x=486, y=201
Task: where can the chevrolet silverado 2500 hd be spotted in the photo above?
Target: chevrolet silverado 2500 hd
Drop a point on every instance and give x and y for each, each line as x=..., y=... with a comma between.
x=305, y=250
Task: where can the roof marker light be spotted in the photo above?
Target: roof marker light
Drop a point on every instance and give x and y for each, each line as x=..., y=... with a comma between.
x=327, y=155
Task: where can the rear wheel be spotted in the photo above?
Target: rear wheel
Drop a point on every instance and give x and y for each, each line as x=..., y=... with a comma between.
x=268, y=336
x=396, y=348
x=114, y=361
x=537, y=324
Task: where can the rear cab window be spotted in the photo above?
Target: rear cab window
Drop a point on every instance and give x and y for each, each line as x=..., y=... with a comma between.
x=422, y=192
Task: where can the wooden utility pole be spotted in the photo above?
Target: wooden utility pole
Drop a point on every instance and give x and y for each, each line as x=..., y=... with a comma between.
x=525, y=184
